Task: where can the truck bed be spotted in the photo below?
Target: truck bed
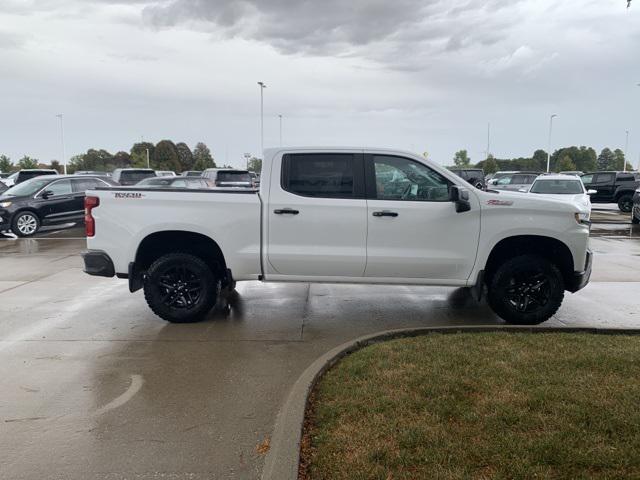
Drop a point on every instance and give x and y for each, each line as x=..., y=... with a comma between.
x=128, y=215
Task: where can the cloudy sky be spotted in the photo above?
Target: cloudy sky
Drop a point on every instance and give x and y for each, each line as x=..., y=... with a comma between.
x=411, y=74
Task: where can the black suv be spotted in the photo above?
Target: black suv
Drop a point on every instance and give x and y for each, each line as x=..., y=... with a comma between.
x=616, y=187
x=48, y=200
x=475, y=176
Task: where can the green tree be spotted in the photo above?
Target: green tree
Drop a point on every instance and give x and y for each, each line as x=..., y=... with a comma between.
x=27, y=162
x=618, y=159
x=165, y=156
x=566, y=164
x=6, y=165
x=606, y=160
x=202, y=157
x=490, y=165
x=185, y=156
x=55, y=164
x=141, y=149
x=121, y=160
x=255, y=165
x=461, y=159
x=539, y=160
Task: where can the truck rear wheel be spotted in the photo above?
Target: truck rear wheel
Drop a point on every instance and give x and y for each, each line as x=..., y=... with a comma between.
x=181, y=288
x=526, y=290
x=625, y=203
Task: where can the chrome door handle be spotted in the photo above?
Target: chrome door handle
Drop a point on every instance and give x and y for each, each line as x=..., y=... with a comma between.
x=286, y=211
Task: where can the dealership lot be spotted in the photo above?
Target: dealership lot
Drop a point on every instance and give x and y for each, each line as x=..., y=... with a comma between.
x=95, y=386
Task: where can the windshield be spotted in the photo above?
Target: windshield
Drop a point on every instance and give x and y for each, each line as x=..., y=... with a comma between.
x=130, y=177
x=234, y=177
x=28, y=187
x=561, y=187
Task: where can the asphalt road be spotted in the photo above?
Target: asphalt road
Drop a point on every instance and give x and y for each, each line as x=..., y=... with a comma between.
x=94, y=386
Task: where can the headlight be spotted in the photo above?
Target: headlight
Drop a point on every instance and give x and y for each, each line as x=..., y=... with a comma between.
x=583, y=217
x=5, y=204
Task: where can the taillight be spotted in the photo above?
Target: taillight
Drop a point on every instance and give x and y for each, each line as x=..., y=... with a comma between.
x=89, y=223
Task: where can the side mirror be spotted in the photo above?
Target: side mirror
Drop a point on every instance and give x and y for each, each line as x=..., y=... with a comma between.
x=591, y=191
x=46, y=194
x=460, y=197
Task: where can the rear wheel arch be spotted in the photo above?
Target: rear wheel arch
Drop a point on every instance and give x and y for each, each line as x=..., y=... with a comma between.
x=554, y=250
x=158, y=244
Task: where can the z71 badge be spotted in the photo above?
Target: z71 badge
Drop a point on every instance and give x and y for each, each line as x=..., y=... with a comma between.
x=127, y=195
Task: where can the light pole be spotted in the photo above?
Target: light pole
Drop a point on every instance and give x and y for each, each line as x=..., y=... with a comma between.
x=64, y=154
x=262, y=87
x=549, y=144
x=280, y=118
x=247, y=156
x=626, y=146
x=488, y=138
x=148, y=164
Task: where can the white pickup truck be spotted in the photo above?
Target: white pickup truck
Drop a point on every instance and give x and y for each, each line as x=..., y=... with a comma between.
x=340, y=215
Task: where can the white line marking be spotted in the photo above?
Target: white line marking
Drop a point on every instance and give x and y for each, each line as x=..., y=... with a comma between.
x=134, y=387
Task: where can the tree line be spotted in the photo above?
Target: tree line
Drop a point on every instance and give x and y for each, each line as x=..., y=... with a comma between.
x=164, y=155
x=572, y=158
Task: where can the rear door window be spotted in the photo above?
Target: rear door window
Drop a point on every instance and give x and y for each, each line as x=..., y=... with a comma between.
x=81, y=185
x=605, y=178
x=326, y=175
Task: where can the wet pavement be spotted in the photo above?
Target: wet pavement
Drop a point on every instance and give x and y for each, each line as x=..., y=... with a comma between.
x=94, y=386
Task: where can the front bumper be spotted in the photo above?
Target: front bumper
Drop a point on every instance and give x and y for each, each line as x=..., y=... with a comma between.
x=580, y=279
x=98, y=263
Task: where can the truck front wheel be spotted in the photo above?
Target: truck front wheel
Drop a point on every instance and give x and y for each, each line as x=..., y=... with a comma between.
x=180, y=288
x=526, y=290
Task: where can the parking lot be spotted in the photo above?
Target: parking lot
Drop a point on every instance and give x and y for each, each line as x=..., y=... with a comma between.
x=95, y=386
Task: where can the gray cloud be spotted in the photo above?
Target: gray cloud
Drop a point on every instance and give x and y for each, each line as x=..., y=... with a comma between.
x=11, y=40
x=335, y=27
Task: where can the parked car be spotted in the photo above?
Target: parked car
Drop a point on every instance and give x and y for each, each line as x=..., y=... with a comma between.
x=613, y=187
x=635, y=212
x=24, y=175
x=513, y=181
x=228, y=177
x=46, y=200
x=256, y=179
x=131, y=176
x=561, y=187
x=4, y=175
x=192, y=173
x=497, y=175
x=337, y=215
x=175, y=182
x=93, y=172
x=165, y=173
x=3, y=187
x=475, y=176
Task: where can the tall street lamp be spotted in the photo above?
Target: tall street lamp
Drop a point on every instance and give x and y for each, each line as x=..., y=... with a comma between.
x=262, y=87
x=64, y=154
x=280, y=118
x=549, y=143
x=626, y=146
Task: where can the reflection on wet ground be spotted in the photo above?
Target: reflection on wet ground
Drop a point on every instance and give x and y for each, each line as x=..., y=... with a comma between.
x=608, y=221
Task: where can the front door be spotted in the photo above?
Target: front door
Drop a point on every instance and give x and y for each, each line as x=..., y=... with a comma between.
x=414, y=231
x=317, y=216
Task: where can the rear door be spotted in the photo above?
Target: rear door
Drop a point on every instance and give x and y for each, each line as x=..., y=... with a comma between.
x=317, y=215
x=60, y=205
x=414, y=231
x=604, y=184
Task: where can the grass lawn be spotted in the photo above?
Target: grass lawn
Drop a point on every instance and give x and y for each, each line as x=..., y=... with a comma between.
x=484, y=405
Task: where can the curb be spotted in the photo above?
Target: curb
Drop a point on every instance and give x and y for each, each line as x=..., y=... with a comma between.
x=281, y=462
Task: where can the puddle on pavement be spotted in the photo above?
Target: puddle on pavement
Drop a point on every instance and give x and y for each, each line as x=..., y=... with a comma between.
x=615, y=230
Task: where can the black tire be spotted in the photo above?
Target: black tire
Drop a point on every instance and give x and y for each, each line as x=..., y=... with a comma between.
x=181, y=288
x=25, y=224
x=526, y=290
x=625, y=203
